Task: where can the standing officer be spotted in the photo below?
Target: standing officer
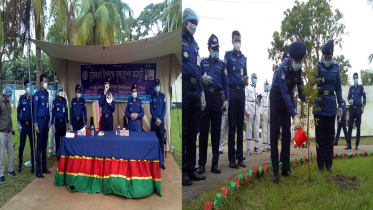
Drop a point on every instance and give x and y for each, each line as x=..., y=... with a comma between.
x=158, y=111
x=235, y=63
x=215, y=79
x=192, y=96
x=356, y=110
x=24, y=125
x=264, y=117
x=60, y=120
x=329, y=90
x=6, y=130
x=41, y=121
x=52, y=141
x=252, y=114
x=134, y=111
x=223, y=128
x=287, y=76
x=78, y=111
x=341, y=123
x=107, y=108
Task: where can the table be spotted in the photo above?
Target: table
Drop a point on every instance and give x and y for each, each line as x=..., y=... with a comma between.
x=123, y=165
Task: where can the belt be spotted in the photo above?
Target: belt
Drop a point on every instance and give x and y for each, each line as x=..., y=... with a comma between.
x=265, y=106
x=60, y=120
x=44, y=118
x=356, y=106
x=237, y=87
x=251, y=101
x=212, y=89
x=190, y=79
x=106, y=115
x=326, y=92
x=26, y=122
x=78, y=118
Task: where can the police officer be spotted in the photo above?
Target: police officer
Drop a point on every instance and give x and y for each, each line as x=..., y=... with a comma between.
x=60, y=120
x=107, y=108
x=192, y=96
x=158, y=111
x=235, y=63
x=24, y=125
x=223, y=128
x=134, y=111
x=78, y=111
x=52, y=141
x=329, y=90
x=252, y=114
x=215, y=79
x=287, y=76
x=264, y=116
x=341, y=123
x=355, y=93
x=42, y=124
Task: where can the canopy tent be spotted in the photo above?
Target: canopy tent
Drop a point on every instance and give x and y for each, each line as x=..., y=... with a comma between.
x=165, y=50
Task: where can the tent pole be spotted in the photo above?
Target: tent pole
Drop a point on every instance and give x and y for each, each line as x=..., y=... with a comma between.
x=31, y=103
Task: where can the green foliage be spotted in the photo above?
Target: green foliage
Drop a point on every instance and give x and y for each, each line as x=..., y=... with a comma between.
x=366, y=77
x=172, y=15
x=344, y=65
x=150, y=17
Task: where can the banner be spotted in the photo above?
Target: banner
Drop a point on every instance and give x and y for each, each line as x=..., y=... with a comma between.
x=122, y=77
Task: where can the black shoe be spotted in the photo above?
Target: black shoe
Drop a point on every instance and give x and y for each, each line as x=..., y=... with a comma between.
x=295, y=146
x=186, y=180
x=215, y=170
x=242, y=164
x=233, y=165
x=243, y=158
x=335, y=143
x=276, y=178
x=356, y=148
x=330, y=170
x=220, y=152
x=321, y=170
x=288, y=173
x=201, y=169
x=39, y=175
x=163, y=167
x=196, y=176
x=348, y=147
x=19, y=169
x=46, y=171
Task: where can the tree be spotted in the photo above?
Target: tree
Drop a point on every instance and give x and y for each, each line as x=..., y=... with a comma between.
x=150, y=18
x=172, y=15
x=366, y=77
x=344, y=65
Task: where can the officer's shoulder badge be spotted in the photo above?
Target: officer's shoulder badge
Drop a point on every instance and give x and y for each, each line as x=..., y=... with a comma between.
x=184, y=44
x=185, y=54
x=283, y=76
x=225, y=71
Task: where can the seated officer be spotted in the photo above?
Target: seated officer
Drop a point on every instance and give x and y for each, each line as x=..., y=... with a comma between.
x=78, y=111
x=158, y=111
x=134, y=111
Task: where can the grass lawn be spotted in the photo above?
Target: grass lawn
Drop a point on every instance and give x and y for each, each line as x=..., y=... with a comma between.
x=176, y=130
x=297, y=193
x=13, y=185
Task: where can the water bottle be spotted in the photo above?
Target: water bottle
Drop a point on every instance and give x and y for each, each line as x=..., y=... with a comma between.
x=92, y=130
x=20, y=128
x=118, y=131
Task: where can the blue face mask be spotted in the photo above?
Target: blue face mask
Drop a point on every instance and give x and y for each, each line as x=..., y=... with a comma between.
x=134, y=95
x=79, y=95
x=254, y=81
x=355, y=81
x=266, y=87
x=9, y=99
x=328, y=63
x=214, y=54
x=28, y=90
x=157, y=89
x=270, y=87
x=296, y=65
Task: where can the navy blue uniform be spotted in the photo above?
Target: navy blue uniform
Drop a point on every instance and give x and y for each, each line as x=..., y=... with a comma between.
x=59, y=120
x=78, y=113
x=191, y=97
x=281, y=109
x=212, y=111
x=24, y=119
x=41, y=119
x=355, y=94
x=342, y=124
x=330, y=90
x=237, y=69
x=134, y=107
x=158, y=111
x=106, y=113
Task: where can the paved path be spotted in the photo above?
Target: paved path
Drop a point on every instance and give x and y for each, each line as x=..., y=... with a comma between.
x=42, y=194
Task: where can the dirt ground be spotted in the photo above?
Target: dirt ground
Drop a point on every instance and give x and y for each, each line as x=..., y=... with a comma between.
x=344, y=181
x=193, y=191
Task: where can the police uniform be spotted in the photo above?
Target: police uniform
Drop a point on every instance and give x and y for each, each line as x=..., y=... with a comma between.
x=134, y=107
x=191, y=97
x=158, y=111
x=78, y=111
x=330, y=91
x=41, y=119
x=59, y=119
x=107, y=110
x=213, y=110
x=252, y=107
x=24, y=121
x=342, y=124
x=281, y=105
x=237, y=69
x=355, y=112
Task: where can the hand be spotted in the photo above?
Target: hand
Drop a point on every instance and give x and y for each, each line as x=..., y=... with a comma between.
x=19, y=127
x=5, y=134
x=203, y=103
x=350, y=101
x=244, y=80
x=71, y=128
x=340, y=111
x=36, y=128
x=206, y=79
x=261, y=118
x=136, y=116
x=339, y=120
x=296, y=122
x=105, y=90
x=247, y=114
x=226, y=104
x=54, y=129
x=133, y=116
x=49, y=125
x=362, y=110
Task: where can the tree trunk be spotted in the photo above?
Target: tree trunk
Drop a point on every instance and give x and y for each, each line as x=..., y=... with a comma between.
x=38, y=56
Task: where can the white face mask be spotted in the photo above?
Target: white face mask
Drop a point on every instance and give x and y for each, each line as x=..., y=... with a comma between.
x=60, y=94
x=191, y=28
x=45, y=85
x=237, y=46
